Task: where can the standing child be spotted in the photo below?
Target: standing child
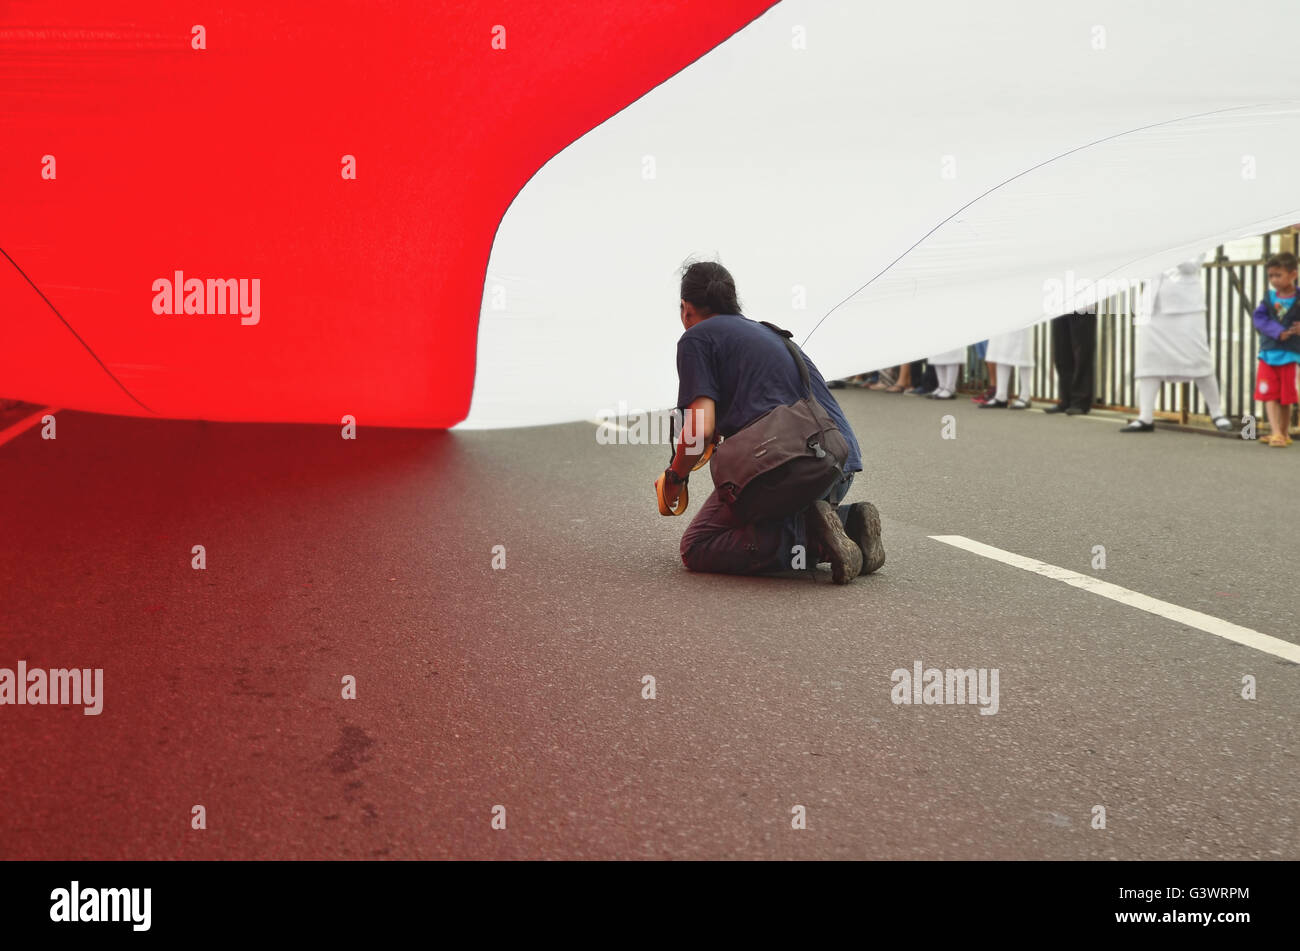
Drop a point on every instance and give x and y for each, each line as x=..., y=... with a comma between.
x=1279, y=347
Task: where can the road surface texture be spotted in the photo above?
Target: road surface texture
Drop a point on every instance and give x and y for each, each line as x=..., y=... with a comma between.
x=521, y=686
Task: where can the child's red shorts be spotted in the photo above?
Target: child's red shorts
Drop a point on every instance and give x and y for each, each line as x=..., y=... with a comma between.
x=1276, y=383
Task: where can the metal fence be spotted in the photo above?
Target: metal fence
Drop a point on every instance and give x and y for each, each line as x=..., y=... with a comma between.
x=1232, y=338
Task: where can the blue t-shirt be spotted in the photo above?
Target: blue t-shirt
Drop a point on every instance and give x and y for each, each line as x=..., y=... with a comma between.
x=746, y=370
x=1279, y=358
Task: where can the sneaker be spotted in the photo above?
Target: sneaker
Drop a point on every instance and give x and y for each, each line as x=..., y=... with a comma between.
x=826, y=532
x=1137, y=426
x=942, y=394
x=863, y=526
x=1223, y=424
x=1018, y=403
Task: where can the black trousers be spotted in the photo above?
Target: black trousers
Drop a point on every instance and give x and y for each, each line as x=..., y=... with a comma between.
x=1074, y=351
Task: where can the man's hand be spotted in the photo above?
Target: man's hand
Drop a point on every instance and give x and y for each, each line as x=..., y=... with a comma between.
x=672, y=491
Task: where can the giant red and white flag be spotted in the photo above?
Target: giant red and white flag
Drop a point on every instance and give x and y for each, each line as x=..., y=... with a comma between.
x=476, y=211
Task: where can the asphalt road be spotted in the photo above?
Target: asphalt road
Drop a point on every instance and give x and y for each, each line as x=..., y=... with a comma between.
x=522, y=687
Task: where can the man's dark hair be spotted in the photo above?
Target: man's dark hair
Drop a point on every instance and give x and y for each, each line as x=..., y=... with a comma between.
x=710, y=287
x=1286, y=261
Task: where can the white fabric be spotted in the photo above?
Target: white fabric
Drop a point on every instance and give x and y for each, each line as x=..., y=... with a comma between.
x=1015, y=348
x=881, y=206
x=1171, y=338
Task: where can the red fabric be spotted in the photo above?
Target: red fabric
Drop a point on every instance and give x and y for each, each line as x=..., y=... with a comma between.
x=1276, y=384
x=225, y=163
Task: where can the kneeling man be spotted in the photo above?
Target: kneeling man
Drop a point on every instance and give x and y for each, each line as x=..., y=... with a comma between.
x=731, y=370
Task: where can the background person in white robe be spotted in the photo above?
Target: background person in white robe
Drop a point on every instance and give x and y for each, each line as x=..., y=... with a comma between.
x=946, y=367
x=1014, y=349
x=1172, y=346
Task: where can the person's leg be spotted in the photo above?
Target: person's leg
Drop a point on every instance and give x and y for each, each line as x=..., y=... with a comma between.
x=797, y=525
x=1277, y=421
x=1062, y=358
x=821, y=527
x=1286, y=398
x=718, y=541
x=1274, y=387
x=947, y=375
x=1083, y=348
x=885, y=379
x=1209, y=387
x=1004, y=382
x=1290, y=396
x=835, y=495
x=919, y=376
x=861, y=521
x=1148, y=389
x=1024, y=382
x=930, y=379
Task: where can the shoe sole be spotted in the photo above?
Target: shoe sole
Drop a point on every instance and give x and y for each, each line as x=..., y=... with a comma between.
x=864, y=529
x=840, y=550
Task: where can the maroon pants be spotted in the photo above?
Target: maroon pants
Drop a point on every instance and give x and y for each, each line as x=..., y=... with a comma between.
x=718, y=541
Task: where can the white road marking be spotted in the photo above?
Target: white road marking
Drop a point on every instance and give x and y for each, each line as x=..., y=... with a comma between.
x=1173, y=612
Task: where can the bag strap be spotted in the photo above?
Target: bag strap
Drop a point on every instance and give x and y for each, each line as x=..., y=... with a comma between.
x=794, y=352
x=807, y=385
